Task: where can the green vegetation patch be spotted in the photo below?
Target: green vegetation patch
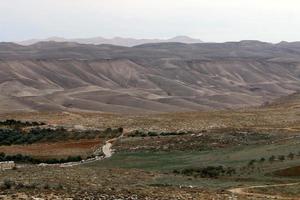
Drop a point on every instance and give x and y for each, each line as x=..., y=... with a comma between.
x=138, y=133
x=28, y=159
x=207, y=172
x=19, y=124
x=35, y=135
x=260, y=158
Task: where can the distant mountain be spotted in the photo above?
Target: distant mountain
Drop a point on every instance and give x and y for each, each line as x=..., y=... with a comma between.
x=118, y=41
x=160, y=77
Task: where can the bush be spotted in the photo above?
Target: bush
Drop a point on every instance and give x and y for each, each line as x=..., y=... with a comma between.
x=152, y=134
x=291, y=156
x=138, y=133
x=272, y=159
x=46, y=186
x=16, y=136
x=281, y=158
x=262, y=160
x=58, y=187
x=207, y=172
x=8, y=184
x=120, y=130
x=16, y=123
x=251, y=162
x=27, y=159
x=19, y=186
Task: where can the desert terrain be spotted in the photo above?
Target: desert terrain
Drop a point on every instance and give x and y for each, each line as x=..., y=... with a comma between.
x=154, y=121
x=149, y=78
x=237, y=154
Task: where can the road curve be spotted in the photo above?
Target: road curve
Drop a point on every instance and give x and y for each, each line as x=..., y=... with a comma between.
x=243, y=191
x=106, y=150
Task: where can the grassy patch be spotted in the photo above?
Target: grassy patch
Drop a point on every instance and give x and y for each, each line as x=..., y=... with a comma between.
x=234, y=156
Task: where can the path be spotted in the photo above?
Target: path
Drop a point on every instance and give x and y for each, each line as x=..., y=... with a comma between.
x=106, y=149
x=243, y=191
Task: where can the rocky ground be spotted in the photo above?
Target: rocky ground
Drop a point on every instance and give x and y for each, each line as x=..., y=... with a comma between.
x=90, y=183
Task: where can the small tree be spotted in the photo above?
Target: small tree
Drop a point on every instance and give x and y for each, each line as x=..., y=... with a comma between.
x=272, y=159
x=7, y=184
x=281, y=158
x=251, y=163
x=291, y=156
x=120, y=130
x=262, y=160
x=230, y=171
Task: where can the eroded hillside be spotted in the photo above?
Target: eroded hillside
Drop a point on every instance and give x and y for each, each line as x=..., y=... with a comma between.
x=166, y=77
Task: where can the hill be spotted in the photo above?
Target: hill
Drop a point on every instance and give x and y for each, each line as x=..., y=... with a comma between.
x=119, y=41
x=161, y=77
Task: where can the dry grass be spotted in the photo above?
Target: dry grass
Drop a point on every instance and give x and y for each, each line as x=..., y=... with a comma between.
x=99, y=183
x=91, y=179
x=265, y=119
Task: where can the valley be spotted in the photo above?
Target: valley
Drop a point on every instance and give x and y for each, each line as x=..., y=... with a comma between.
x=154, y=121
x=149, y=100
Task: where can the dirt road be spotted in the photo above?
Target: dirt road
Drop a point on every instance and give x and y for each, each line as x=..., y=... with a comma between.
x=243, y=191
x=106, y=149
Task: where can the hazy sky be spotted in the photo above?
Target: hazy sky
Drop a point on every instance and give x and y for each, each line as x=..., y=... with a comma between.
x=209, y=20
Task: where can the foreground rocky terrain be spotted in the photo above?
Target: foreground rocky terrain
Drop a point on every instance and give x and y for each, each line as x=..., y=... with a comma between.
x=167, y=77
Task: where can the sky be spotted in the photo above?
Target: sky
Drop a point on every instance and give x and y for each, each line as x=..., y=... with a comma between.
x=208, y=20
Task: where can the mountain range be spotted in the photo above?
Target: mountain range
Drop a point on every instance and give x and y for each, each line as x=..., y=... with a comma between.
x=155, y=77
x=118, y=41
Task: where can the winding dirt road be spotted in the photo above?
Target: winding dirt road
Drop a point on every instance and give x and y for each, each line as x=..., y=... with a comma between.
x=243, y=191
x=107, y=153
x=106, y=150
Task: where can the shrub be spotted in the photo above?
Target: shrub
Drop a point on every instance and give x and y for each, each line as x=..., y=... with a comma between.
x=16, y=123
x=19, y=186
x=138, y=133
x=46, y=186
x=27, y=159
x=262, y=160
x=251, y=162
x=272, y=159
x=291, y=156
x=8, y=184
x=120, y=130
x=152, y=134
x=16, y=136
x=281, y=158
x=207, y=172
x=58, y=187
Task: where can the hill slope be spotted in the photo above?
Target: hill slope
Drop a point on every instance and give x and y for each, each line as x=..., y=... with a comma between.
x=148, y=78
x=119, y=41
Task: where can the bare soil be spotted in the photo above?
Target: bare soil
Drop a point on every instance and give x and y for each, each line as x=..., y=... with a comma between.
x=54, y=150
